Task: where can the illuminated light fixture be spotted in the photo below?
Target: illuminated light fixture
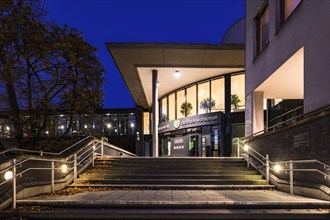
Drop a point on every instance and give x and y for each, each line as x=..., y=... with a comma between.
x=109, y=125
x=246, y=147
x=85, y=126
x=108, y=114
x=61, y=115
x=8, y=175
x=7, y=128
x=132, y=125
x=277, y=168
x=47, y=132
x=62, y=127
x=74, y=131
x=64, y=168
x=93, y=126
x=177, y=74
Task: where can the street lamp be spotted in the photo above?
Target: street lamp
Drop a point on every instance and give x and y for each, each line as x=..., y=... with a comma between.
x=109, y=126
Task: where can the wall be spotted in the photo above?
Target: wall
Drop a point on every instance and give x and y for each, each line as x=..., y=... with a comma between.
x=307, y=27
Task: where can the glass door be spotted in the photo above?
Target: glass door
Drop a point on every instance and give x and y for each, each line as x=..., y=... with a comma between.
x=193, y=145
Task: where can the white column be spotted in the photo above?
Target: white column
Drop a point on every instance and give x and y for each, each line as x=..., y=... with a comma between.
x=258, y=112
x=155, y=113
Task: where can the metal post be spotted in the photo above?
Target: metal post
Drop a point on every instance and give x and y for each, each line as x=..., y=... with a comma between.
x=75, y=173
x=102, y=147
x=248, y=158
x=267, y=169
x=238, y=150
x=53, y=177
x=41, y=153
x=93, y=155
x=291, y=177
x=14, y=184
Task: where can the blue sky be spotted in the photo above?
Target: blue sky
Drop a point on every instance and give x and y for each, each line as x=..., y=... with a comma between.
x=163, y=21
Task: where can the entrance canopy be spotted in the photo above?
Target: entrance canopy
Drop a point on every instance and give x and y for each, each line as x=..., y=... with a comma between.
x=195, y=62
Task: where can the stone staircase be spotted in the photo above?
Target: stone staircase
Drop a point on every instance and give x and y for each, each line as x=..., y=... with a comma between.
x=172, y=173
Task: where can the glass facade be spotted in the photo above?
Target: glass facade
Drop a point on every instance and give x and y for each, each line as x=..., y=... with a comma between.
x=202, y=98
x=288, y=6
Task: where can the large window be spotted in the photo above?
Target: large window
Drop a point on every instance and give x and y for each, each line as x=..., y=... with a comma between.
x=146, y=123
x=204, y=102
x=163, y=111
x=218, y=94
x=237, y=92
x=262, y=21
x=191, y=100
x=171, y=107
x=181, y=107
x=288, y=6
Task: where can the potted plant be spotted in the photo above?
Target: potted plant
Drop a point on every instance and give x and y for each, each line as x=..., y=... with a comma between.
x=234, y=101
x=207, y=104
x=186, y=108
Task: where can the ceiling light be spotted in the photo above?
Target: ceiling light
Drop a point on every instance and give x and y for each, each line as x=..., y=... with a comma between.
x=177, y=74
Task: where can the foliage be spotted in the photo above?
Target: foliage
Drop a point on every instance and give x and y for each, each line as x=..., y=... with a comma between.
x=44, y=67
x=207, y=104
x=234, y=101
x=163, y=118
x=186, y=108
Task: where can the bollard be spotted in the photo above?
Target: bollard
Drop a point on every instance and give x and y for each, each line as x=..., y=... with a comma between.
x=248, y=158
x=267, y=169
x=93, y=155
x=102, y=147
x=238, y=150
x=53, y=177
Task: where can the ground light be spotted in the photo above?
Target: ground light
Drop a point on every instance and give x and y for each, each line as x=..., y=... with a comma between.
x=8, y=175
x=246, y=147
x=277, y=168
x=64, y=168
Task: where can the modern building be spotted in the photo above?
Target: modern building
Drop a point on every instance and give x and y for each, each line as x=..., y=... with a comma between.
x=192, y=95
x=287, y=72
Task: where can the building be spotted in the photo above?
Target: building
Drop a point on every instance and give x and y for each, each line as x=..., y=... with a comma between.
x=191, y=95
x=287, y=74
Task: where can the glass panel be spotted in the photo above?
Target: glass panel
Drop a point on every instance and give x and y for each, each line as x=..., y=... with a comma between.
x=146, y=123
x=264, y=29
x=204, y=101
x=237, y=92
x=163, y=115
x=218, y=94
x=181, y=107
x=288, y=7
x=171, y=107
x=191, y=98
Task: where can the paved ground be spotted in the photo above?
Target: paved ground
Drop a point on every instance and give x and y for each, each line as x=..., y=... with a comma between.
x=172, y=197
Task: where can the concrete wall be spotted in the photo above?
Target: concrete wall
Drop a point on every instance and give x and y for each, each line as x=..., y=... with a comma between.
x=308, y=27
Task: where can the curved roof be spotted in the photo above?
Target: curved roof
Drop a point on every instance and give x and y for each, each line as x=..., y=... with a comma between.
x=235, y=34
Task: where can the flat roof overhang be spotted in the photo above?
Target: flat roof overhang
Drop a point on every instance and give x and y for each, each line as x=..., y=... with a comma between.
x=134, y=60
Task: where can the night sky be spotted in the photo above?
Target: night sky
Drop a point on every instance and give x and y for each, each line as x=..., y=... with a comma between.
x=163, y=21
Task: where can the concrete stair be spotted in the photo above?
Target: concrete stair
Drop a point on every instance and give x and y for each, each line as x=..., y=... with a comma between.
x=172, y=173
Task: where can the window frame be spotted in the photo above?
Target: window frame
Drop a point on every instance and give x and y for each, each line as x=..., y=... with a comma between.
x=264, y=7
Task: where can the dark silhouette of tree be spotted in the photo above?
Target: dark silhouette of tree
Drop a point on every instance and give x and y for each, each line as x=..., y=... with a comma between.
x=44, y=68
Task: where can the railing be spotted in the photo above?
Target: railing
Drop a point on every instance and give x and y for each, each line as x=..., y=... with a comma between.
x=266, y=166
x=70, y=165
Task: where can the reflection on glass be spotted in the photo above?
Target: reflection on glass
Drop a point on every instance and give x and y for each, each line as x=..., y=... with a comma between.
x=146, y=123
x=237, y=92
x=181, y=107
x=288, y=7
x=171, y=107
x=204, y=102
x=264, y=29
x=191, y=99
x=218, y=94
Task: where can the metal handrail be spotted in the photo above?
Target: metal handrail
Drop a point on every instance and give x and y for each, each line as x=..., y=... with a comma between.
x=76, y=161
x=286, y=113
x=267, y=163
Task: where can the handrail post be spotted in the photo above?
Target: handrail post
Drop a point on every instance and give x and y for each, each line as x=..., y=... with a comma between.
x=53, y=177
x=41, y=153
x=248, y=158
x=291, y=177
x=93, y=155
x=75, y=173
x=267, y=169
x=102, y=147
x=238, y=148
x=14, y=184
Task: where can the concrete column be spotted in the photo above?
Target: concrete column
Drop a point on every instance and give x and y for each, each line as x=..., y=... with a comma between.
x=258, y=112
x=155, y=113
x=228, y=133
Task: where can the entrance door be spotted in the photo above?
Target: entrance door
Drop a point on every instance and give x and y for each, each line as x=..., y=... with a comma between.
x=194, y=146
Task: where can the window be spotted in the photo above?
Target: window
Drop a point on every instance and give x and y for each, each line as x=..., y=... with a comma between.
x=288, y=6
x=146, y=123
x=171, y=107
x=218, y=94
x=191, y=98
x=237, y=92
x=163, y=111
x=181, y=107
x=204, y=102
x=262, y=21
